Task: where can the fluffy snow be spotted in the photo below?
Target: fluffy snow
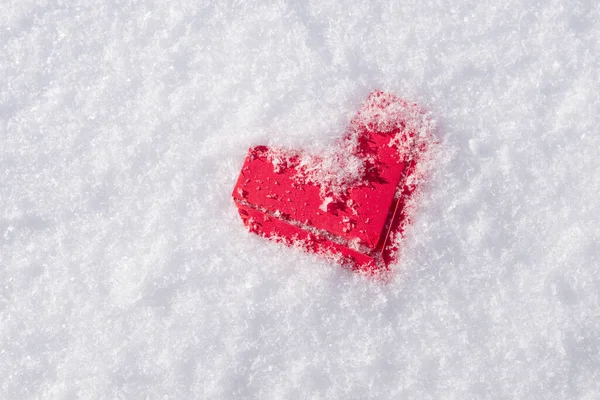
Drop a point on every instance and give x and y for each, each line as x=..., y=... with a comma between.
x=125, y=271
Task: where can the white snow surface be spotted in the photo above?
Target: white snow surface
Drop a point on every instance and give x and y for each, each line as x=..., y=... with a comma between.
x=126, y=273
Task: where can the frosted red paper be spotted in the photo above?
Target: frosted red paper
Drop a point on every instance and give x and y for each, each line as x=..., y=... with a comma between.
x=355, y=227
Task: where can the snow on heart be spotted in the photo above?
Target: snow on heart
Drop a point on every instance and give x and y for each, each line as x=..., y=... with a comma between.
x=343, y=166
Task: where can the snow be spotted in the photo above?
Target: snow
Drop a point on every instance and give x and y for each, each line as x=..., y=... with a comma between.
x=125, y=271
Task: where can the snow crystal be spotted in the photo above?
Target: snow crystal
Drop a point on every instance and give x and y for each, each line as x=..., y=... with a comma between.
x=326, y=201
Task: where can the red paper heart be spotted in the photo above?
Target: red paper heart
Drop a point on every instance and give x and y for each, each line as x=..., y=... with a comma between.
x=348, y=204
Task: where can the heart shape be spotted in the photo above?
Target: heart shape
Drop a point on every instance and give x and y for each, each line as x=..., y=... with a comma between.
x=349, y=204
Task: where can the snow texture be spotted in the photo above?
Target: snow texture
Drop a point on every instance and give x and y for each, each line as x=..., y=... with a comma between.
x=126, y=273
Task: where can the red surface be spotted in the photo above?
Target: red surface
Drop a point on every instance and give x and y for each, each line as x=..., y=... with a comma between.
x=358, y=225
